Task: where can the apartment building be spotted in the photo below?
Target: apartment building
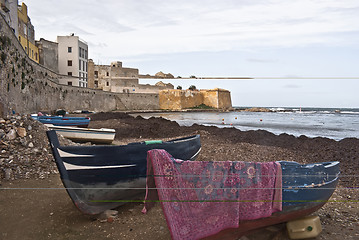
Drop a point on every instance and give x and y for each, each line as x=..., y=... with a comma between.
x=73, y=60
x=26, y=33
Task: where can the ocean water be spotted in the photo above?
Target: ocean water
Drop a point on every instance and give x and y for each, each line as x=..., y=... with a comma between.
x=336, y=124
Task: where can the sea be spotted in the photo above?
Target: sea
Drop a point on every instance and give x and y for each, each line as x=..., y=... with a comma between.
x=333, y=123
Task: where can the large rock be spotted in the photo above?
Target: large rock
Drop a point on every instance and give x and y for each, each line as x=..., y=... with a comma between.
x=108, y=216
x=21, y=132
x=11, y=135
x=257, y=109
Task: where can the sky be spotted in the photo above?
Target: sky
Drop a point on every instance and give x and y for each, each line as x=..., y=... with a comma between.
x=299, y=52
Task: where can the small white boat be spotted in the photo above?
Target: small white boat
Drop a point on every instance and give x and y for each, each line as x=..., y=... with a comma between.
x=76, y=134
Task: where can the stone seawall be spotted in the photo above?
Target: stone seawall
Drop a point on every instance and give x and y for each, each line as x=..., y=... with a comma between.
x=27, y=87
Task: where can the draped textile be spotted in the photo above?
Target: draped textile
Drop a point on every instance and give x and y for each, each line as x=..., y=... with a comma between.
x=201, y=198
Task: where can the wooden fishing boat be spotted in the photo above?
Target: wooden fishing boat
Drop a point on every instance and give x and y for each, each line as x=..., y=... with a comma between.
x=101, y=177
x=249, y=195
x=306, y=188
x=63, y=121
x=98, y=178
x=76, y=134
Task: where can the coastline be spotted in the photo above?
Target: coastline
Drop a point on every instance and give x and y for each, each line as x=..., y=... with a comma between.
x=311, y=123
x=239, y=109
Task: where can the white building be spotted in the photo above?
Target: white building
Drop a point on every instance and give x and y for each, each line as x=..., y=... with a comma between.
x=73, y=60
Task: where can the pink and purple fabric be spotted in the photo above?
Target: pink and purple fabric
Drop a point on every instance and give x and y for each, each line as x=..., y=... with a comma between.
x=202, y=198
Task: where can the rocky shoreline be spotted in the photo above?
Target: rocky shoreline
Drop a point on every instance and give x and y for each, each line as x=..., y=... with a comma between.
x=26, y=162
x=25, y=152
x=24, y=149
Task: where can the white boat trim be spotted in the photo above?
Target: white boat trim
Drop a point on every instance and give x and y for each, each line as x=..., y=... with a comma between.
x=66, y=154
x=183, y=140
x=72, y=129
x=195, y=155
x=69, y=166
x=102, y=135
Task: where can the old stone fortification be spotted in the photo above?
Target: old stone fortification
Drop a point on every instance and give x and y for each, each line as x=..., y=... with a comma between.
x=28, y=87
x=182, y=99
x=115, y=78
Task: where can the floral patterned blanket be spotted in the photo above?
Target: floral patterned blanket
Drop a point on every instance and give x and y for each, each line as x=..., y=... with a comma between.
x=202, y=198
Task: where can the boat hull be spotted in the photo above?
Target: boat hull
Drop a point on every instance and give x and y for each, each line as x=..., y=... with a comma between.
x=99, y=136
x=99, y=178
x=308, y=183
x=63, y=121
x=246, y=227
x=306, y=188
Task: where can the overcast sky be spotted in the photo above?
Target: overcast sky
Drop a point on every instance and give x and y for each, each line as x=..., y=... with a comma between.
x=255, y=38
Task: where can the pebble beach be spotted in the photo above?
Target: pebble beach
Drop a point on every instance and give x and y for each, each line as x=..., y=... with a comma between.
x=36, y=206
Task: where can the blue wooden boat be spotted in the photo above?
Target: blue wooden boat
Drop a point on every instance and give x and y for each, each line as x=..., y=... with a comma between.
x=63, y=121
x=306, y=188
x=98, y=178
x=101, y=177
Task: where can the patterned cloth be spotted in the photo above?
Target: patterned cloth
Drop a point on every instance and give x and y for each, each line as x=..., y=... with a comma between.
x=201, y=198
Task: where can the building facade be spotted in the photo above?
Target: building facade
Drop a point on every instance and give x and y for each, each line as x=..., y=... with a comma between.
x=48, y=54
x=116, y=78
x=113, y=77
x=73, y=59
x=26, y=33
x=8, y=9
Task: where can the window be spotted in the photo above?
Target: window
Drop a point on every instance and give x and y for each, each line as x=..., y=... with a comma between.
x=69, y=73
x=81, y=52
x=69, y=63
x=69, y=83
x=69, y=49
x=96, y=84
x=96, y=74
x=107, y=83
x=107, y=74
x=79, y=64
x=36, y=56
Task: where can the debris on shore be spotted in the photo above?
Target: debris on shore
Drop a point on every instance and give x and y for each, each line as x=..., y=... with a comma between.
x=24, y=149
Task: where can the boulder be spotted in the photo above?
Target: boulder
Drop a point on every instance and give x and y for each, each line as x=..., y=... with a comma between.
x=21, y=132
x=11, y=135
